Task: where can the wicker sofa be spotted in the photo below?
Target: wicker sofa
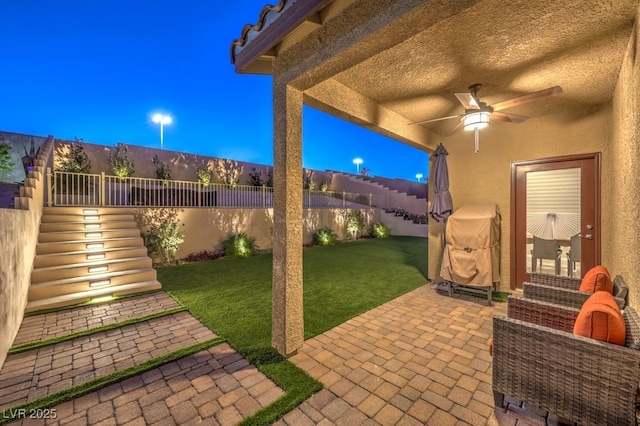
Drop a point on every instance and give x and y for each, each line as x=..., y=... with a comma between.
x=537, y=359
x=565, y=290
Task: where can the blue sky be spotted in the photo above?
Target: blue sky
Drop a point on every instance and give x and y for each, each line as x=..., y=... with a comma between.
x=99, y=69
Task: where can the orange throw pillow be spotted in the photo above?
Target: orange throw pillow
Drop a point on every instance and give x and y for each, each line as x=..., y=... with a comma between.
x=597, y=279
x=600, y=318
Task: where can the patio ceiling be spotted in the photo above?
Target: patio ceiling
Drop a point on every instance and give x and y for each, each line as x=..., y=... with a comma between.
x=512, y=48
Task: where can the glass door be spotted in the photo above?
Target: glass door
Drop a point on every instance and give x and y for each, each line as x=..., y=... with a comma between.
x=556, y=217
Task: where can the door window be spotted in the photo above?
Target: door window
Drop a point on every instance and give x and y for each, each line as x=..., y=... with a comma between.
x=553, y=219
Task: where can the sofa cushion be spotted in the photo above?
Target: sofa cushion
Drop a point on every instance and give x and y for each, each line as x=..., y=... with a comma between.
x=597, y=279
x=600, y=318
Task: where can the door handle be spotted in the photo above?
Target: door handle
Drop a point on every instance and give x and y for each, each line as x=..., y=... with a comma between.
x=587, y=236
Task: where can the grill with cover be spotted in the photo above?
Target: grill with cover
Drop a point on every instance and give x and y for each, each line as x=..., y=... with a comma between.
x=471, y=255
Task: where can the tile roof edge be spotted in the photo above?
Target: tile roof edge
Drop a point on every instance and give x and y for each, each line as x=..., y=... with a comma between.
x=262, y=17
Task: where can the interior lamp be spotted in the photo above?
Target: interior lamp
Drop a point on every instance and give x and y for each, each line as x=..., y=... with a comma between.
x=476, y=120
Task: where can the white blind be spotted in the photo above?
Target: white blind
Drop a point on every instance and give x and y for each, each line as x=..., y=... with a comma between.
x=553, y=203
x=553, y=191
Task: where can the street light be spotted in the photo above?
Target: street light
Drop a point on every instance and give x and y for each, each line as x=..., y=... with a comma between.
x=357, y=162
x=162, y=119
x=419, y=176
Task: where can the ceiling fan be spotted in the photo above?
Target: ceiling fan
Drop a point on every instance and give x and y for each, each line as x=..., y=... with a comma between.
x=477, y=114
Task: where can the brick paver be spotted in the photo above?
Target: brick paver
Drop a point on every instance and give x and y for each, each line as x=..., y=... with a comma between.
x=60, y=323
x=194, y=397
x=419, y=359
x=39, y=372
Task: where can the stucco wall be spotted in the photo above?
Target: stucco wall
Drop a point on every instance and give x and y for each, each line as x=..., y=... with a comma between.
x=485, y=177
x=622, y=244
x=205, y=229
x=18, y=239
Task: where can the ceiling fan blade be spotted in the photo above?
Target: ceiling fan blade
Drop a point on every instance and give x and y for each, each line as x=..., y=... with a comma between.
x=455, y=129
x=511, y=118
x=434, y=119
x=529, y=97
x=467, y=100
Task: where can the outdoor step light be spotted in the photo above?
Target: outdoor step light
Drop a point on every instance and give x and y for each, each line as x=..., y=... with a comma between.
x=102, y=299
x=95, y=256
x=94, y=269
x=100, y=283
x=94, y=246
x=93, y=235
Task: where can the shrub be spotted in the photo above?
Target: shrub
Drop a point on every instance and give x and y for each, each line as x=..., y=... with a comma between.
x=255, y=178
x=163, y=172
x=324, y=237
x=164, y=237
x=308, y=179
x=239, y=245
x=204, y=175
x=75, y=160
x=5, y=158
x=229, y=171
x=327, y=177
x=202, y=256
x=72, y=160
x=378, y=230
x=355, y=223
x=121, y=164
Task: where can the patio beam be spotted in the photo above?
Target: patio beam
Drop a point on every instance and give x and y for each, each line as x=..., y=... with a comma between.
x=287, y=318
x=335, y=98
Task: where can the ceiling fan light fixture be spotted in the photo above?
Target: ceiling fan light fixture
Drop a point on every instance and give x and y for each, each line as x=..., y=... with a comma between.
x=476, y=120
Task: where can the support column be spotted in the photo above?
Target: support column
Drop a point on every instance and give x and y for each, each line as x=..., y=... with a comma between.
x=287, y=329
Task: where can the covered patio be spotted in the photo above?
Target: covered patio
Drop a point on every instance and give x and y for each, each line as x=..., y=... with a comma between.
x=386, y=64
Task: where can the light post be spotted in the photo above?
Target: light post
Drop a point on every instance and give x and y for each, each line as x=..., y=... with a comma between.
x=162, y=119
x=419, y=176
x=357, y=162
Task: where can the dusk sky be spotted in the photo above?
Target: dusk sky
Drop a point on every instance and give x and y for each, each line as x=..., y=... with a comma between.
x=99, y=69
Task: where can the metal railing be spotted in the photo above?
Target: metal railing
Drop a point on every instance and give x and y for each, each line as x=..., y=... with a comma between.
x=77, y=189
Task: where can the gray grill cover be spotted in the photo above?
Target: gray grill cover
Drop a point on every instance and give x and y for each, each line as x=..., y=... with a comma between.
x=472, y=246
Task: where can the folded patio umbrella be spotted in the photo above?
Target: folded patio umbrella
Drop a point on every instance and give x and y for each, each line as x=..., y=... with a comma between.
x=441, y=204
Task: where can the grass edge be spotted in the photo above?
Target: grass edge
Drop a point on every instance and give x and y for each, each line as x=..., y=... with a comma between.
x=109, y=379
x=35, y=345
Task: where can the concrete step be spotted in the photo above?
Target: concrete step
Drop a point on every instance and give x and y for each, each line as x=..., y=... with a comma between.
x=82, y=256
x=88, y=295
x=85, y=226
x=55, y=288
x=88, y=235
x=89, y=245
x=86, y=210
x=88, y=268
x=56, y=218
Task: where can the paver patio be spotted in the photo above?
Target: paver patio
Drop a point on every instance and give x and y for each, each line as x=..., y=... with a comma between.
x=421, y=358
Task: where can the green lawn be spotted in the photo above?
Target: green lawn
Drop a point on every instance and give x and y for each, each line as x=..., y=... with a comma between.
x=233, y=298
